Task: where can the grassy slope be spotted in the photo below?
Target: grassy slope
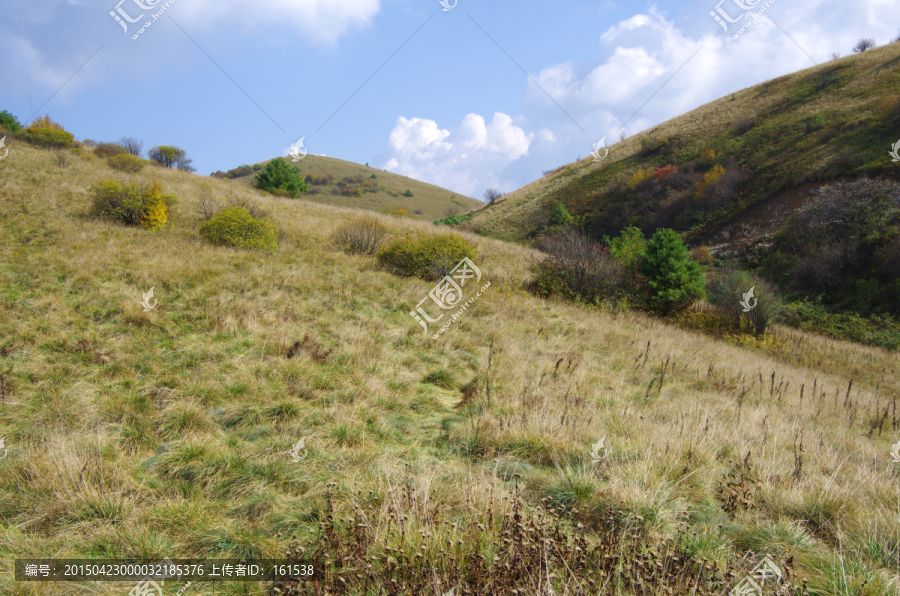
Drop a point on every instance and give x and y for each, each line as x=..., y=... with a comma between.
x=430, y=201
x=779, y=153
x=166, y=433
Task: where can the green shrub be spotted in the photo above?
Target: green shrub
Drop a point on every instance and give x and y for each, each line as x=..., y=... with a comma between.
x=134, y=204
x=9, y=122
x=560, y=216
x=408, y=193
x=429, y=256
x=453, y=220
x=279, y=175
x=672, y=280
x=234, y=226
x=126, y=163
x=257, y=167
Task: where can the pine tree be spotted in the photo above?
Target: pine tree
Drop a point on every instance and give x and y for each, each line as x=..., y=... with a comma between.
x=279, y=175
x=673, y=280
x=560, y=216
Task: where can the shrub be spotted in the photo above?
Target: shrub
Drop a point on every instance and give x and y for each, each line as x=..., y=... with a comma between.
x=278, y=174
x=46, y=133
x=628, y=247
x=257, y=167
x=453, y=220
x=863, y=44
x=89, y=143
x=280, y=192
x=491, y=195
x=560, y=216
x=10, y=122
x=134, y=204
x=673, y=281
x=126, y=162
x=662, y=173
x=726, y=290
x=429, y=256
x=710, y=178
x=62, y=157
x=408, y=193
x=400, y=212
x=707, y=156
x=171, y=157
x=579, y=269
x=743, y=125
x=108, y=149
x=639, y=177
x=234, y=226
x=131, y=145
x=702, y=255
x=208, y=206
x=363, y=236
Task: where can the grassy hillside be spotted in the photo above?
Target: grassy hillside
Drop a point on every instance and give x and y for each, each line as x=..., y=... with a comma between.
x=429, y=202
x=835, y=120
x=461, y=463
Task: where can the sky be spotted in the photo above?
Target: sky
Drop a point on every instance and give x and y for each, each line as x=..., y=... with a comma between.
x=468, y=95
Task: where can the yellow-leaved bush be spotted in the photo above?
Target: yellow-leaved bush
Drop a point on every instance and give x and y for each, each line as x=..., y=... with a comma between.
x=144, y=205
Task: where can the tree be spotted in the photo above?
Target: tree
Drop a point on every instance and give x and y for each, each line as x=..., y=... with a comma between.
x=408, y=193
x=560, y=216
x=279, y=175
x=10, y=122
x=132, y=145
x=171, y=157
x=673, y=280
x=863, y=44
x=491, y=195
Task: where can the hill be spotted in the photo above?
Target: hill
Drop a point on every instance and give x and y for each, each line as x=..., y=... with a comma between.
x=534, y=443
x=352, y=185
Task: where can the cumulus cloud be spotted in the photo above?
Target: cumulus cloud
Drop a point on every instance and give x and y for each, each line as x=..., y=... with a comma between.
x=466, y=159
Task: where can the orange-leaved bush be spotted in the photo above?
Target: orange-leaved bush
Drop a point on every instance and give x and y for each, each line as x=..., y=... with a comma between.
x=44, y=132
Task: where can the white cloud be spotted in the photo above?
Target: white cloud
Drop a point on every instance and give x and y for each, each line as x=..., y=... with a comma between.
x=467, y=159
x=319, y=21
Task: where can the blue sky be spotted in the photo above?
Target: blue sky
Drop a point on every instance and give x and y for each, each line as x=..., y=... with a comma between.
x=488, y=94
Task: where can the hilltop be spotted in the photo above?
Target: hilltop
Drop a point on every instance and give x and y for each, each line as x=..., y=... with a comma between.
x=536, y=442
x=774, y=141
x=384, y=193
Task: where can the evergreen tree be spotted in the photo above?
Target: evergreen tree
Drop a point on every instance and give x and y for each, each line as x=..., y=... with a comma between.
x=279, y=175
x=673, y=280
x=560, y=216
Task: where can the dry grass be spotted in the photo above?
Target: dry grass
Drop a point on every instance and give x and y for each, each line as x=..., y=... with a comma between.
x=167, y=433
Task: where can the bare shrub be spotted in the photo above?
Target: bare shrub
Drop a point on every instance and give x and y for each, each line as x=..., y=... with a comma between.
x=834, y=55
x=131, y=145
x=768, y=305
x=730, y=290
x=580, y=268
x=863, y=44
x=62, y=157
x=208, y=206
x=491, y=195
x=256, y=212
x=743, y=125
x=363, y=236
